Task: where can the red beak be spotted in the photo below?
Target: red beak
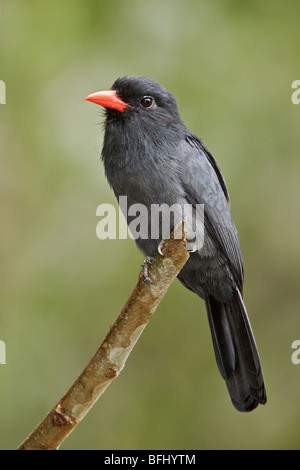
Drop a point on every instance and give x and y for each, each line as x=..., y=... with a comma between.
x=108, y=99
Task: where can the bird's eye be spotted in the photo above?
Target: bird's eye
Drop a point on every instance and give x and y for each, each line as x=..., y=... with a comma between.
x=147, y=101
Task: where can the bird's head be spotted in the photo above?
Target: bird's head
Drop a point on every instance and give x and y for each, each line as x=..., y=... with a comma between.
x=138, y=98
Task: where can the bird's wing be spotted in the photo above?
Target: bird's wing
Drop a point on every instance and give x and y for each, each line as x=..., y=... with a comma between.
x=203, y=183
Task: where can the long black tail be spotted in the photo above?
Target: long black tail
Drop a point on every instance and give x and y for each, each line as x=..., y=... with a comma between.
x=236, y=353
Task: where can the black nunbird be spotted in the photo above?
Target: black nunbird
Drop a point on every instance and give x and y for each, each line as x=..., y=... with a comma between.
x=151, y=157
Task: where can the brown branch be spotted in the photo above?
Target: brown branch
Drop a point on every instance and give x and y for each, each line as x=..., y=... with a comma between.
x=110, y=358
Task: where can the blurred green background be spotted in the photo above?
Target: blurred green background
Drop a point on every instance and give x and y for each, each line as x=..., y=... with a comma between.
x=231, y=65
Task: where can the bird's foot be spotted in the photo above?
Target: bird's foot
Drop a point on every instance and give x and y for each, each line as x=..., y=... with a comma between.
x=146, y=265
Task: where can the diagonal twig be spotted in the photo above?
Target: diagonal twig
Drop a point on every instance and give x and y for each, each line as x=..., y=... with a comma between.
x=110, y=358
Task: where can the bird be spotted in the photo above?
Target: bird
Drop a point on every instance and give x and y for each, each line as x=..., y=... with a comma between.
x=152, y=157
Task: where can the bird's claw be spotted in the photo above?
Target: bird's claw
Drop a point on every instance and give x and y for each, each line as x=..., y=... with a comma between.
x=159, y=248
x=145, y=268
x=191, y=250
x=191, y=246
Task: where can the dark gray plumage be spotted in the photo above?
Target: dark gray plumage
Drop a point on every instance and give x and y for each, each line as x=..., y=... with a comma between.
x=153, y=158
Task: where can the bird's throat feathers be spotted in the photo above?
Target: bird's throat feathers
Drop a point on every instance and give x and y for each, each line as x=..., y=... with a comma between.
x=130, y=140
